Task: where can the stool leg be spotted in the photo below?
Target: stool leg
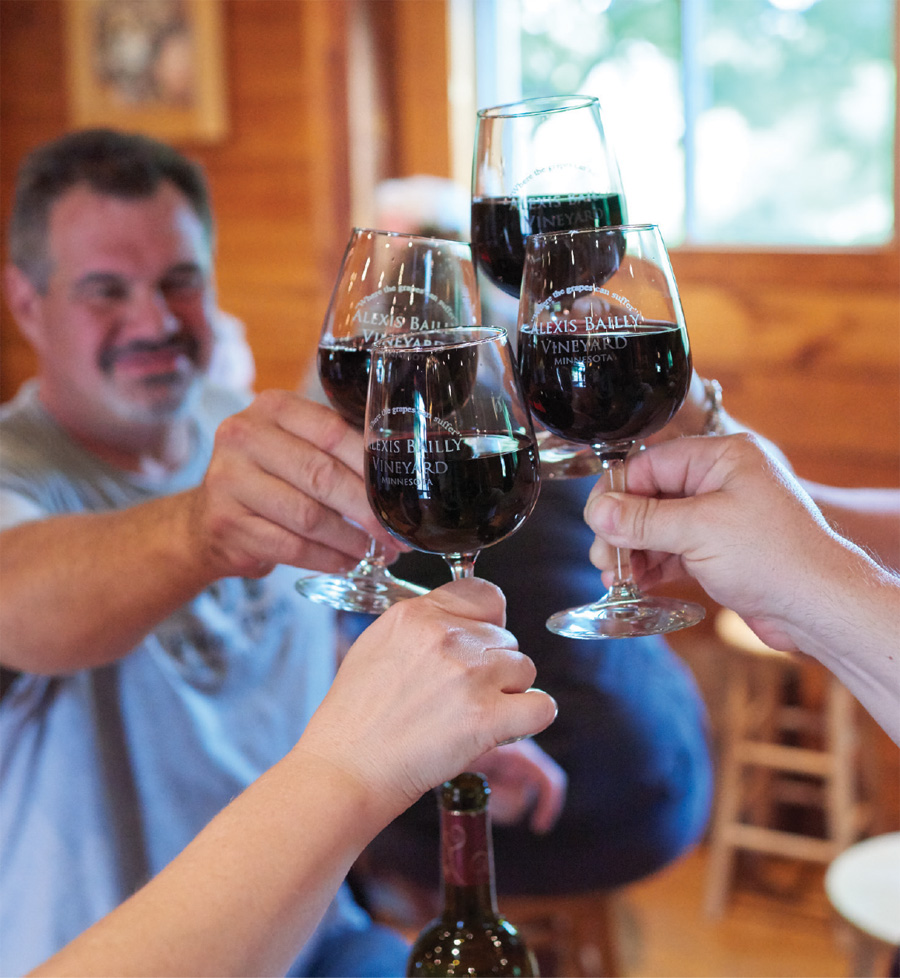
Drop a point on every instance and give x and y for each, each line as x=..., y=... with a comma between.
x=721, y=850
x=841, y=782
x=608, y=940
x=868, y=958
x=764, y=705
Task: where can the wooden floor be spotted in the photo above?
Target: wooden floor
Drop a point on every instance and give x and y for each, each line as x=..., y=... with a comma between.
x=778, y=925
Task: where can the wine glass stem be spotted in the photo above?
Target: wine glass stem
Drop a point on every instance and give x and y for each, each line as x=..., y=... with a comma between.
x=622, y=587
x=373, y=560
x=461, y=565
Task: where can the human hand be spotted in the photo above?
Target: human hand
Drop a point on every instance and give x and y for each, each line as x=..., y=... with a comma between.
x=723, y=511
x=689, y=419
x=525, y=780
x=284, y=486
x=427, y=689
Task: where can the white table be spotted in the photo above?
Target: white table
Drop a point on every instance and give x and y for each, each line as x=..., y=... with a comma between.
x=863, y=885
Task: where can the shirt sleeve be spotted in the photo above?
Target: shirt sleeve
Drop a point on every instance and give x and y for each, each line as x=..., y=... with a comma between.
x=16, y=508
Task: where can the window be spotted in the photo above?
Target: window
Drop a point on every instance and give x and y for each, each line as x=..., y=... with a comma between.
x=753, y=123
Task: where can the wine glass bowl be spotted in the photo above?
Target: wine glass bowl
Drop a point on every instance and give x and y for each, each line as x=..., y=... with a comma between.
x=389, y=284
x=605, y=360
x=541, y=165
x=451, y=459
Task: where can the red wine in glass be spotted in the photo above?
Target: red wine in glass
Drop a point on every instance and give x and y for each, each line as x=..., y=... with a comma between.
x=605, y=360
x=389, y=285
x=451, y=458
x=609, y=386
x=541, y=165
x=500, y=226
x=477, y=489
x=344, y=373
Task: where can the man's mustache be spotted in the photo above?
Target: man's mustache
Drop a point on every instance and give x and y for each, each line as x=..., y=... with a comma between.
x=183, y=344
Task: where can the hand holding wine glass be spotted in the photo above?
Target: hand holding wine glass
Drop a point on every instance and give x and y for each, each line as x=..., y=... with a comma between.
x=605, y=360
x=451, y=460
x=389, y=283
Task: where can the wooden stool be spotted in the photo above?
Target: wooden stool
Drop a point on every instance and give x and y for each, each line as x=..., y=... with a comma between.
x=863, y=885
x=756, y=769
x=573, y=935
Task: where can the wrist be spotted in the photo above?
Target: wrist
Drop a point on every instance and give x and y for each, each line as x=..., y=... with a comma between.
x=830, y=601
x=714, y=417
x=365, y=809
x=702, y=412
x=180, y=543
x=852, y=632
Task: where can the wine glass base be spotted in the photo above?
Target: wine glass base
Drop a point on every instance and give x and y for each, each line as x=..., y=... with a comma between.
x=626, y=619
x=369, y=592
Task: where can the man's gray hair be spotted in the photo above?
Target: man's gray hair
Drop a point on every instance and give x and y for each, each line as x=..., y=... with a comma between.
x=118, y=164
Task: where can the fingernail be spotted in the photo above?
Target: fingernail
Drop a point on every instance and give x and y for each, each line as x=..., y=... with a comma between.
x=513, y=740
x=603, y=513
x=536, y=689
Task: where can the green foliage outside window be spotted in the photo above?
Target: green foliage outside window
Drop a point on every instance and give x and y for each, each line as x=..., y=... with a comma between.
x=758, y=122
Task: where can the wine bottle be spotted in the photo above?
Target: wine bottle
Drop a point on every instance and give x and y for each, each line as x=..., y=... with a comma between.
x=470, y=937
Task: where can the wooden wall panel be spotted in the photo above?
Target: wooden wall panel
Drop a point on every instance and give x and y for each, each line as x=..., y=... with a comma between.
x=807, y=348
x=421, y=65
x=32, y=108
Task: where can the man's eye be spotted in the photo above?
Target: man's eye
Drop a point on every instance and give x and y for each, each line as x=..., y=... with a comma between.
x=182, y=284
x=106, y=292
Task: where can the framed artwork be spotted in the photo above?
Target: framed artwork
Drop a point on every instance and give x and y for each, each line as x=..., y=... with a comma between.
x=152, y=66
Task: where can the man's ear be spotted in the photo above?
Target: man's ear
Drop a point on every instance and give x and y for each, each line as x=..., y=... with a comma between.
x=25, y=303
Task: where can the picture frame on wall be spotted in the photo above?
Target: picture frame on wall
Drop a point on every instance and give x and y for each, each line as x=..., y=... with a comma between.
x=151, y=66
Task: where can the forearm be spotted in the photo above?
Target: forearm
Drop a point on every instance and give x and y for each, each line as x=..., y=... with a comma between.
x=80, y=590
x=248, y=891
x=869, y=517
x=848, y=621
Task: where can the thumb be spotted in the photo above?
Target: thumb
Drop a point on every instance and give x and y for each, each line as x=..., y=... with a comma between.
x=639, y=522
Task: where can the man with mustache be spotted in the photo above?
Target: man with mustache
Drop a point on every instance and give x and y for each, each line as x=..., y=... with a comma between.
x=156, y=655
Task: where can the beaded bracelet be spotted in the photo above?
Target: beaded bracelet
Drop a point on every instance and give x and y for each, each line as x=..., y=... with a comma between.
x=714, y=424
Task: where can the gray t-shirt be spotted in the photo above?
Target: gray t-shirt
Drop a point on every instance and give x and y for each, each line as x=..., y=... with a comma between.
x=106, y=774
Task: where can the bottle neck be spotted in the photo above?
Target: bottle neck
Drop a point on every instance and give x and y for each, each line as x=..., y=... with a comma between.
x=467, y=865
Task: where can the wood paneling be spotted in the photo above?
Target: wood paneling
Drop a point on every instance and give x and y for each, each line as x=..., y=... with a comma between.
x=807, y=348
x=421, y=66
x=32, y=109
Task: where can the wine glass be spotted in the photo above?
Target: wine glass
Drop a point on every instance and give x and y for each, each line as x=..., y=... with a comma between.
x=605, y=360
x=540, y=165
x=389, y=283
x=451, y=458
